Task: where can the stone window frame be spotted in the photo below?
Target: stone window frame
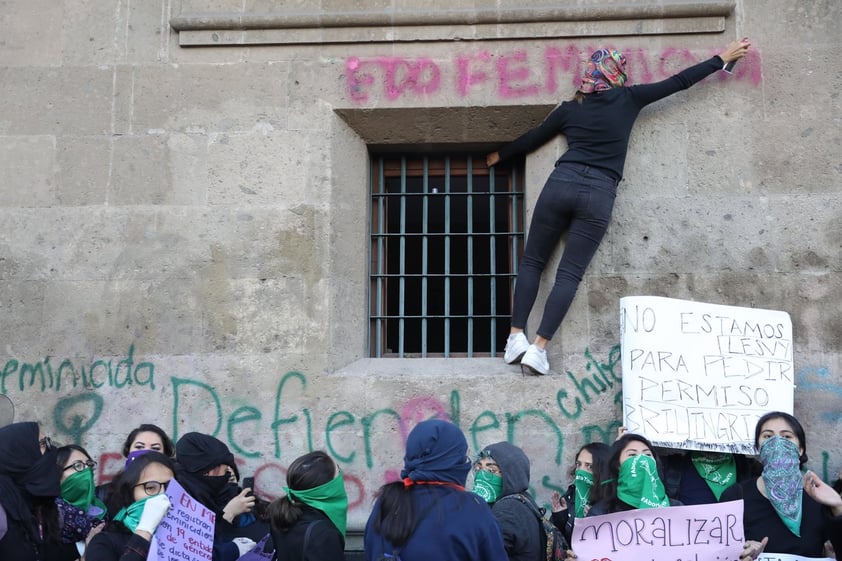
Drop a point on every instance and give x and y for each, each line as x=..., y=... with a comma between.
x=433, y=241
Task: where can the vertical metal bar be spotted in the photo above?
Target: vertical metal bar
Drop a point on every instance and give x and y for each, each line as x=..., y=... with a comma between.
x=492, y=266
x=447, y=256
x=402, y=280
x=470, y=211
x=424, y=249
x=381, y=261
x=516, y=228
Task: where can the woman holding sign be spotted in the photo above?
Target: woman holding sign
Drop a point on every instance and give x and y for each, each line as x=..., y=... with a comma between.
x=578, y=197
x=139, y=504
x=785, y=510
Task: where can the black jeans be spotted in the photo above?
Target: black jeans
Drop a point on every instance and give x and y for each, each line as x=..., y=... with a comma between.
x=576, y=199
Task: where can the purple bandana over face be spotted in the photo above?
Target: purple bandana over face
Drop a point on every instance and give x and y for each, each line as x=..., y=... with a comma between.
x=783, y=479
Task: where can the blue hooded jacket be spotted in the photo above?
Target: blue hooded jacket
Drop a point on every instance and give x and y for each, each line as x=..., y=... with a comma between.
x=454, y=524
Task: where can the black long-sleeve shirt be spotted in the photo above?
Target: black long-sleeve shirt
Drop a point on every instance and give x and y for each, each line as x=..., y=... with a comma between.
x=760, y=520
x=598, y=129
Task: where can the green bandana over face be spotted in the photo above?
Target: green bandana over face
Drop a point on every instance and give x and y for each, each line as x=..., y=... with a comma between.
x=329, y=498
x=487, y=485
x=639, y=485
x=783, y=480
x=719, y=470
x=78, y=490
x=583, y=483
x=130, y=515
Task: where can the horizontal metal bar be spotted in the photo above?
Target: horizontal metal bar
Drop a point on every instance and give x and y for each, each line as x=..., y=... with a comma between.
x=448, y=317
x=445, y=234
x=441, y=194
x=440, y=275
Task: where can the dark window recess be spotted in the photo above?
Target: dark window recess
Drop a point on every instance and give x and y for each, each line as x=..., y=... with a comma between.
x=446, y=237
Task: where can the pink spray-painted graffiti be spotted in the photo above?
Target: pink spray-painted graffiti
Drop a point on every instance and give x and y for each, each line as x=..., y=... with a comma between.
x=512, y=75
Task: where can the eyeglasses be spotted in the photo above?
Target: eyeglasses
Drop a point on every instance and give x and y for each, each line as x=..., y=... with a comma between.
x=79, y=465
x=153, y=488
x=46, y=444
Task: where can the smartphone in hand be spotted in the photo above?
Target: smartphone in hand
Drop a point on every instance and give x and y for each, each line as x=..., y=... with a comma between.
x=249, y=482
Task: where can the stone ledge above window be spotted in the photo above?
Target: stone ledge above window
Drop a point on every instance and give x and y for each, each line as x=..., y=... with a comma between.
x=197, y=29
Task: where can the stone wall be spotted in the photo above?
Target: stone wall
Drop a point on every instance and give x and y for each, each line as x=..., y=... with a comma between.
x=183, y=214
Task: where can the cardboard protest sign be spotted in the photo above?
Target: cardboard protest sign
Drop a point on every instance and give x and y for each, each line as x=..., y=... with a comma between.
x=186, y=532
x=788, y=557
x=698, y=376
x=679, y=533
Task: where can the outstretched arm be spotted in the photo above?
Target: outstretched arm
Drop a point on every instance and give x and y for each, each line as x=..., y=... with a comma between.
x=647, y=93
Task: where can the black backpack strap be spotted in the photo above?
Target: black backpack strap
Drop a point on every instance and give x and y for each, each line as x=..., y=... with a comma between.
x=538, y=512
x=307, y=534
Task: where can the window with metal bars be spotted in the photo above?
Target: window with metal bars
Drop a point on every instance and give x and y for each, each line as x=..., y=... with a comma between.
x=446, y=237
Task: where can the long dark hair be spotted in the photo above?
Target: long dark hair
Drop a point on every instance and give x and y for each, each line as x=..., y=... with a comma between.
x=600, y=456
x=169, y=447
x=305, y=472
x=397, y=518
x=398, y=515
x=794, y=425
x=122, y=486
x=607, y=491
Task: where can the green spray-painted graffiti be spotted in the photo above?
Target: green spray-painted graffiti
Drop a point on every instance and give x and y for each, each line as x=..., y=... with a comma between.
x=45, y=375
x=356, y=439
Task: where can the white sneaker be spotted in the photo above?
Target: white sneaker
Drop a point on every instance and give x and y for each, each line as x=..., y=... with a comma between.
x=535, y=361
x=516, y=346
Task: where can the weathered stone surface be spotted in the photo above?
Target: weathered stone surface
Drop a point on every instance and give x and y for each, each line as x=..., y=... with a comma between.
x=184, y=232
x=31, y=33
x=215, y=97
x=27, y=170
x=55, y=100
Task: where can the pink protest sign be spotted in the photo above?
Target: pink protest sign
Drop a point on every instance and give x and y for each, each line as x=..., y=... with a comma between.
x=186, y=532
x=679, y=533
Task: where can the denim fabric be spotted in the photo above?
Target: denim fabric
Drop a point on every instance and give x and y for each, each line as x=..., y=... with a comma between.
x=575, y=199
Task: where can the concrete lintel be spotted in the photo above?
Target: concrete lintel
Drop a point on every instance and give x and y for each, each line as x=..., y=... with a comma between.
x=239, y=28
x=298, y=36
x=442, y=125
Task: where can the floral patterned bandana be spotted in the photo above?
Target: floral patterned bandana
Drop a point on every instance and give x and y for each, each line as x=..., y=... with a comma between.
x=605, y=70
x=783, y=479
x=719, y=470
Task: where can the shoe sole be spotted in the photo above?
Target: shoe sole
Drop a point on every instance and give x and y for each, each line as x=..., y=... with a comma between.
x=527, y=370
x=516, y=360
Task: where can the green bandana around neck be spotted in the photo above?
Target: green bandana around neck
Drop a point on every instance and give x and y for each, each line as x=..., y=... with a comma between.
x=783, y=479
x=488, y=485
x=130, y=515
x=330, y=498
x=639, y=485
x=718, y=469
x=582, y=483
x=78, y=490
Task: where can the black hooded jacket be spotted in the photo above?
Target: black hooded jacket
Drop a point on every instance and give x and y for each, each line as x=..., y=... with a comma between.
x=198, y=453
x=29, y=484
x=523, y=535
